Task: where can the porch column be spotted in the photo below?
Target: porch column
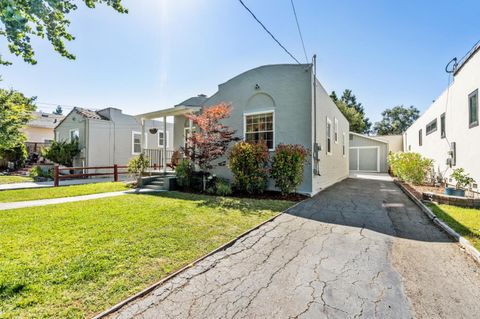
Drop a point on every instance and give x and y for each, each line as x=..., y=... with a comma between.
x=143, y=146
x=165, y=144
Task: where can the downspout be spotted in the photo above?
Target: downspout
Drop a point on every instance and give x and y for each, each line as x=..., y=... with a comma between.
x=315, y=146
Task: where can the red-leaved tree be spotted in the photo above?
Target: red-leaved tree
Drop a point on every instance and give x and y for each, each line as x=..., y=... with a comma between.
x=211, y=138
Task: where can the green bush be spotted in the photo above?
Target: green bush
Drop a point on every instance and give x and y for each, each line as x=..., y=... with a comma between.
x=463, y=179
x=183, y=170
x=17, y=154
x=410, y=167
x=287, y=167
x=248, y=162
x=138, y=165
x=62, y=152
x=37, y=171
x=220, y=187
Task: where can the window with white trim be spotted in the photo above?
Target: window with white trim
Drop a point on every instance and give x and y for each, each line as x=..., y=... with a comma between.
x=136, y=143
x=329, y=136
x=260, y=127
x=74, y=135
x=162, y=139
x=473, y=109
x=336, y=130
x=344, y=145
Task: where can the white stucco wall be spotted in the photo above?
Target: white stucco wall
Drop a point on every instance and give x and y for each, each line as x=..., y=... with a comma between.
x=330, y=168
x=287, y=90
x=454, y=103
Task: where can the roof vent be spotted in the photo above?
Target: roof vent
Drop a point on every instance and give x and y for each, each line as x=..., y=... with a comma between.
x=202, y=95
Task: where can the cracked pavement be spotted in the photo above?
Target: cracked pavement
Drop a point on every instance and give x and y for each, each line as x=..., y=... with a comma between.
x=360, y=249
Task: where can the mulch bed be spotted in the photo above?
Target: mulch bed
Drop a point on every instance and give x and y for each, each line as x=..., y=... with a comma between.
x=266, y=195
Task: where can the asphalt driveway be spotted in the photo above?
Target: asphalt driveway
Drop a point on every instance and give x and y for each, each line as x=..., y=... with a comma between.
x=360, y=249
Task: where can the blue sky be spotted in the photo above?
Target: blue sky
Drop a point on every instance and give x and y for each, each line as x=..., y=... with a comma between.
x=164, y=51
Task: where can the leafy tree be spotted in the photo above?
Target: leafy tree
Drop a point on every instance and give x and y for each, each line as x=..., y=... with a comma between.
x=58, y=111
x=212, y=138
x=396, y=120
x=287, y=166
x=23, y=20
x=356, y=120
x=15, y=112
x=62, y=152
x=349, y=100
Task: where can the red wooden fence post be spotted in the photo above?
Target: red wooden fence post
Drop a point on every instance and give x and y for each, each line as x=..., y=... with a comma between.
x=55, y=175
x=115, y=173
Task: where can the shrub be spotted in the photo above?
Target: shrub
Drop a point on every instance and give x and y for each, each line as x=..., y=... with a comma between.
x=17, y=154
x=62, y=153
x=183, y=170
x=220, y=187
x=138, y=164
x=37, y=172
x=248, y=162
x=463, y=179
x=410, y=167
x=287, y=167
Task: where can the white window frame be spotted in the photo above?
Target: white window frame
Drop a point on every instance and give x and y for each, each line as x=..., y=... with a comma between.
x=329, y=136
x=335, y=134
x=133, y=142
x=257, y=113
x=344, y=145
x=165, y=138
x=70, y=134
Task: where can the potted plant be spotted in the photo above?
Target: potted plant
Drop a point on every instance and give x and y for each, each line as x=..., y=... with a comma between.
x=463, y=180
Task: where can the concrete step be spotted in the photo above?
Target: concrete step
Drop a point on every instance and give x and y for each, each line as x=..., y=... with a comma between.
x=159, y=182
x=155, y=187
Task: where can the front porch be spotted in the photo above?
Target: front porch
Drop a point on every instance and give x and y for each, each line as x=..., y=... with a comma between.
x=161, y=158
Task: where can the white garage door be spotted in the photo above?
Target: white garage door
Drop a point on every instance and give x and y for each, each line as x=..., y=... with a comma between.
x=364, y=159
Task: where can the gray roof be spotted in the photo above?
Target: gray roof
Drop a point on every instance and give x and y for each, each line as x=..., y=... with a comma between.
x=90, y=114
x=45, y=120
x=198, y=100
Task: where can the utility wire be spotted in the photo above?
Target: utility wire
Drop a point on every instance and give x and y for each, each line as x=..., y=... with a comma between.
x=299, y=31
x=265, y=28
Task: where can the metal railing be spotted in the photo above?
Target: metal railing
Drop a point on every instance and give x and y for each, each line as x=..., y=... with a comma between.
x=158, y=157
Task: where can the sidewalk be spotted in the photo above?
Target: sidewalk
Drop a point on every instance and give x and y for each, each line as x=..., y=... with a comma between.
x=51, y=201
x=62, y=183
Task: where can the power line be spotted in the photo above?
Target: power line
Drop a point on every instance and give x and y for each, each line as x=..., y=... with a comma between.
x=265, y=28
x=299, y=31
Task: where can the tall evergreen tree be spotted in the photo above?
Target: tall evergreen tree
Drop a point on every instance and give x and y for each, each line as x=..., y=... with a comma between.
x=353, y=111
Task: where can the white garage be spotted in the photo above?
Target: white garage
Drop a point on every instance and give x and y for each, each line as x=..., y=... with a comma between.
x=367, y=154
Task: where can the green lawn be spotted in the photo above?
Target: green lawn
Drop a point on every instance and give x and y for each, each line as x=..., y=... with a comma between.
x=465, y=221
x=19, y=195
x=76, y=259
x=8, y=179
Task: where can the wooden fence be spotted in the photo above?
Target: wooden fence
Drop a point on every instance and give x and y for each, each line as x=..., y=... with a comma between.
x=115, y=171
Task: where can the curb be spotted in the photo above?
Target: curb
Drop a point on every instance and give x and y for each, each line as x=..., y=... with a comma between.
x=472, y=251
x=152, y=287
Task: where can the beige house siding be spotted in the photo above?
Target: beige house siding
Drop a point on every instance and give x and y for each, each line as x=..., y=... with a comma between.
x=39, y=134
x=395, y=142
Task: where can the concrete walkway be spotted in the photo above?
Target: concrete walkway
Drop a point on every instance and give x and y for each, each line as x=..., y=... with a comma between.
x=51, y=201
x=360, y=249
x=27, y=185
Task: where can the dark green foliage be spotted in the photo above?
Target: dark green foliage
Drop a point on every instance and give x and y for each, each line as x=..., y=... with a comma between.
x=396, y=120
x=23, y=20
x=62, y=152
x=138, y=165
x=17, y=155
x=287, y=167
x=353, y=111
x=15, y=112
x=58, y=111
x=183, y=172
x=248, y=162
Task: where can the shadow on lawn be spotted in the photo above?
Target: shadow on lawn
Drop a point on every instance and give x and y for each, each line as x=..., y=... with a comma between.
x=245, y=205
x=452, y=222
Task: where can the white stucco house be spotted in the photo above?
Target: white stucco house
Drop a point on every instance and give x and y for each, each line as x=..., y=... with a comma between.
x=109, y=137
x=449, y=132
x=278, y=104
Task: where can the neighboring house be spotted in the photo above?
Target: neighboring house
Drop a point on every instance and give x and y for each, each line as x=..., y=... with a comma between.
x=109, y=137
x=449, y=132
x=278, y=104
x=40, y=130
